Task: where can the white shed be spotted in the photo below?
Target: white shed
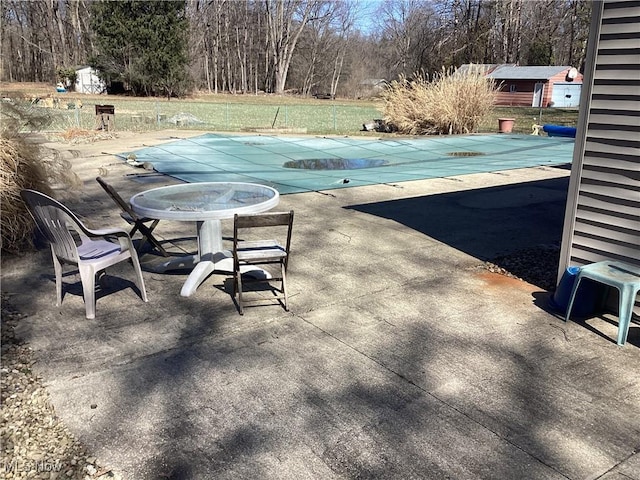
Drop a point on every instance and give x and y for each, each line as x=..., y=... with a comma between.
x=88, y=82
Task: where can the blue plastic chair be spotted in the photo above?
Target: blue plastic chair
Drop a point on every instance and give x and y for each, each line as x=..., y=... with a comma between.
x=624, y=277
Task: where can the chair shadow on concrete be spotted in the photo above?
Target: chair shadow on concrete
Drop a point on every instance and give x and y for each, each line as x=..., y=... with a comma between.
x=266, y=291
x=602, y=315
x=184, y=246
x=105, y=284
x=633, y=337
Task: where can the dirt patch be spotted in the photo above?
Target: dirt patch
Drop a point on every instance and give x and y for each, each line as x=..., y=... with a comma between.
x=76, y=135
x=502, y=281
x=26, y=89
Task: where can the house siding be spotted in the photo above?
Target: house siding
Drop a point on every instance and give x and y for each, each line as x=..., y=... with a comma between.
x=602, y=219
x=523, y=95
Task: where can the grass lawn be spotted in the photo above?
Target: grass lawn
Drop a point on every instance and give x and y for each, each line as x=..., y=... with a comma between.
x=238, y=113
x=526, y=117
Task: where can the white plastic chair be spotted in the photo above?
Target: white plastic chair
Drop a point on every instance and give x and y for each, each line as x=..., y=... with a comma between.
x=72, y=243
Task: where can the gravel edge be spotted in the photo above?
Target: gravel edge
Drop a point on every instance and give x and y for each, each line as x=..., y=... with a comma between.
x=536, y=265
x=35, y=442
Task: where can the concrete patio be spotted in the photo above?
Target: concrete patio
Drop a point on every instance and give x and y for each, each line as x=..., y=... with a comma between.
x=401, y=356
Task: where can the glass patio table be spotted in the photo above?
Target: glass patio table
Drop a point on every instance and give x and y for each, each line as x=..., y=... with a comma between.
x=205, y=203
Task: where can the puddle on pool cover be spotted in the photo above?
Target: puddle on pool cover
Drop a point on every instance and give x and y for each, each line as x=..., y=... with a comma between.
x=335, y=163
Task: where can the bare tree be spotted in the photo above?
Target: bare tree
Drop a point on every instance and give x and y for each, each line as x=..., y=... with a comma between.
x=251, y=45
x=320, y=53
x=345, y=20
x=418, y=36
x=397, y=33
x=555, y=31
x=41, y=36
x=286, y=20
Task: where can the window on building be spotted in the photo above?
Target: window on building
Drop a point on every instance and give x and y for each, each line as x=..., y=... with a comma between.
x=513, y=88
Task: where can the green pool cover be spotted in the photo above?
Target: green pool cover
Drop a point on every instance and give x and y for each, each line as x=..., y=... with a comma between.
x=303, y=164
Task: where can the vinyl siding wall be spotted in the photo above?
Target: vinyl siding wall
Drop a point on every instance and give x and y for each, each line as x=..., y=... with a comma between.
x=523, y=95
x=602, y=220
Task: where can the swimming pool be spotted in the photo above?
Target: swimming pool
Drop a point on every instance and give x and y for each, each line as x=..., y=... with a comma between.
x=302, y=164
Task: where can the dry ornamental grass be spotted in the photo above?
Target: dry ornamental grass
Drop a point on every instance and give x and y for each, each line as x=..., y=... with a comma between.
x=451, y=103
x=24, y=164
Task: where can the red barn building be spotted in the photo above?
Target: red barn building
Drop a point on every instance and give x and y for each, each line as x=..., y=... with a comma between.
x=537, y=86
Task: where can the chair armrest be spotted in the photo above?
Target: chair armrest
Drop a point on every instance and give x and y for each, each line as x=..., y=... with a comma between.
x=116, y=233
x=123, y=237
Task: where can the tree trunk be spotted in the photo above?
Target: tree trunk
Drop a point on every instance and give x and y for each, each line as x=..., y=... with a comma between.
x=284, y=34
x=337, y=70
x=63, y=59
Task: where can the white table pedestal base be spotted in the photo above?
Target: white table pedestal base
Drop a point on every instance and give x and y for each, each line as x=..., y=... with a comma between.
x=209, y=244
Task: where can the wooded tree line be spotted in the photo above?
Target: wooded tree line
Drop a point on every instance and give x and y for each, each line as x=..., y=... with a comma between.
x=304, y=46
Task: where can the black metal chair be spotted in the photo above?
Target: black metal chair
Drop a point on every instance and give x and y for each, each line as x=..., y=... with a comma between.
x=139, y=223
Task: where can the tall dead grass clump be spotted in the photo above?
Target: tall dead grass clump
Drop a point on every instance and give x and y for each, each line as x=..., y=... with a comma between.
x=452, y=102
x=24, y=164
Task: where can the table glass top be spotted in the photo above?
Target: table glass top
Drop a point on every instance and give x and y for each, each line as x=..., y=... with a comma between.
x=204, y=199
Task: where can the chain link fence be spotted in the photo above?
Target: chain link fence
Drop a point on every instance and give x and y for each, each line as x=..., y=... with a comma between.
x=142, y=115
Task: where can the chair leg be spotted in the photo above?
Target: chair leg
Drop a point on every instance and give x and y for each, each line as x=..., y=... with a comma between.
x=239, y=290
x=88, y=279
x=57, y=267
x=144, y=232
x=147, y=236
x=235, y=284
x=283, y=269
x=625, y=311
x=140, y=280
x=572, y=298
